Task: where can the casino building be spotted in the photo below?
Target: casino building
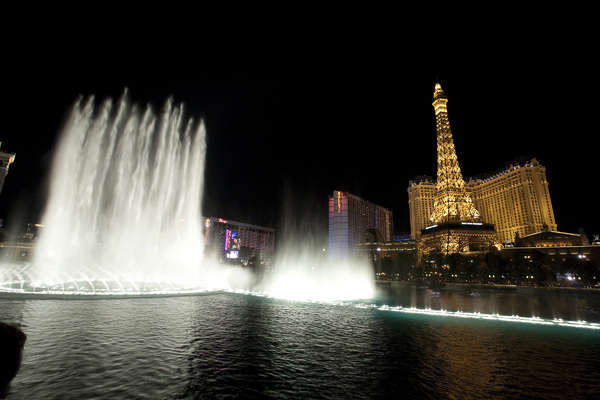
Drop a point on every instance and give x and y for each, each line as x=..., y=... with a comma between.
x=238, y=242
x=515, y=201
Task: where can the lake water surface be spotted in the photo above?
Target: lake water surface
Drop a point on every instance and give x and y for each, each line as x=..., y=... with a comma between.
x=239, y=346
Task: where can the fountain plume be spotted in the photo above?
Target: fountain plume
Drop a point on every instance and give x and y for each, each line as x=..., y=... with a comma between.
x=125, y=197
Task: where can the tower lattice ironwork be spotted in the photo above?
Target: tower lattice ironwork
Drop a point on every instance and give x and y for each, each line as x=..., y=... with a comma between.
x=452, y=202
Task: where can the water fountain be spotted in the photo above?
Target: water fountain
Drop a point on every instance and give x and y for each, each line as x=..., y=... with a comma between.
x=124, y=207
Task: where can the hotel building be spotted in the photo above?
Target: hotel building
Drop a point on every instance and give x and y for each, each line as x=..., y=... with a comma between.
x=421, y=193
x=353, y=220
x=238, y=242
x=516, y=200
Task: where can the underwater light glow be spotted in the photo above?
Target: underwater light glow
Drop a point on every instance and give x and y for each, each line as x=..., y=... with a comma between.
x=483, y=316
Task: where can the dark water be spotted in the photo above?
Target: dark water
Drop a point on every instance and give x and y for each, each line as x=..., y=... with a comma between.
x=236, y=346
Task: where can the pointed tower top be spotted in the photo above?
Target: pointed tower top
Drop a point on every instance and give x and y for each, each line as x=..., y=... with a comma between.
x=438, y=92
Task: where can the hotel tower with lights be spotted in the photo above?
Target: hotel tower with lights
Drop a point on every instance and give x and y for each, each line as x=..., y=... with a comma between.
x=516, y=200
x=353, y=220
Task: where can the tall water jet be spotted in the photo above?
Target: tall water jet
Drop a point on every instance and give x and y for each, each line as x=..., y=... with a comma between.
x=303, y=268
x=125, y=201
x=302, y=275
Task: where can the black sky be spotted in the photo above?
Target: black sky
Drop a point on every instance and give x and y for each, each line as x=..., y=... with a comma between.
x=284, y=132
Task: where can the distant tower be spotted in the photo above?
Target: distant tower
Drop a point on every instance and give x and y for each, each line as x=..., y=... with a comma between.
x=5, y=160
x=455, y=223
x=452, y=202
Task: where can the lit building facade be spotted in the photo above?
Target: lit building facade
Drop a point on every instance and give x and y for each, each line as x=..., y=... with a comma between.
x=238, y=242
x=353, y=220
x=455, y=224
x=5, y=160
x=421, y=194
x=516, y=200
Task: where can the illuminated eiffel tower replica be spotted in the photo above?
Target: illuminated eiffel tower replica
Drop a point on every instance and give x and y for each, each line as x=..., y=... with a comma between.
x=456, y=224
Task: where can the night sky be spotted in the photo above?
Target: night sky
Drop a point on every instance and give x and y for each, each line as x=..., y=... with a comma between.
x=283, y=133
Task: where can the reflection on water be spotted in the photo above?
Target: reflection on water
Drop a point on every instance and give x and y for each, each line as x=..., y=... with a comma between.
x=231, y=345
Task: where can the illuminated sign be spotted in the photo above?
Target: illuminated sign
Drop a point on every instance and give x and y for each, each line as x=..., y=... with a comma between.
x=471, y=223
x=233, y=254
x=232, y=241
x=235, y=241
x=430, y=227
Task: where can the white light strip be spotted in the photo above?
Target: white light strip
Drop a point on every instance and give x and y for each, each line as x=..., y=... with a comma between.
x=121, y=293
x=477, y=315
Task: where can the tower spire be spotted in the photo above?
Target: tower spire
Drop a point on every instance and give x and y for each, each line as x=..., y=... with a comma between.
x=452, y=203
x=438, y=92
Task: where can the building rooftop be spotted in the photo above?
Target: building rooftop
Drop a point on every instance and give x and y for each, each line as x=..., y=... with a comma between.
x=548, y=232
x=228, y=221
x=420, y=180
x=512, y=166
x=361, y=199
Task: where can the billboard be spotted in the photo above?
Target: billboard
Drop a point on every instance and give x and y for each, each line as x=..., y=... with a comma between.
x=232, y=241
